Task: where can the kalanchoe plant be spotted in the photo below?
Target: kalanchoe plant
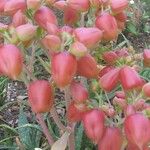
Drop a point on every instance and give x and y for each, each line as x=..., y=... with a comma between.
x=103, y=88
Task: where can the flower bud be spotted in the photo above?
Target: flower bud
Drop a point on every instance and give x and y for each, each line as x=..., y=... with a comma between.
x=130, y=110
x=146, y=57
x=64, y=67
x=71, y=16
x=129, y=78
x=120, y=94
x=118, y=6
x=73, y=113
x=41, y=101
x=88, y=36
x=11, y=61
x=87, y=67
x=146, y=89
x=78, y=92
x=110, y=57
x=18, y=19
x=139, y=105
x=122, y=17
x=120, y=102
x=137, y=130
x=33, y=4
x=67, y=29
x=26, y=32
x=3, y=27
x=122, y=52
x=51, y=42
x=12, y=6
x=43, y=16
x=61, y=5
x=109, y=80
x=107, y=23
x=79, y=5
x=109, y=111
x=112, y=139
x=121, y=25
x=93, y=122
x=52, y=29
x=105, y=70
x=2, y=5
x=78, y=49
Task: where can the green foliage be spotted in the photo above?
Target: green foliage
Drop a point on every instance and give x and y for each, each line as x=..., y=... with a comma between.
x=145, y=74
x=3, y=84
x=30, y=137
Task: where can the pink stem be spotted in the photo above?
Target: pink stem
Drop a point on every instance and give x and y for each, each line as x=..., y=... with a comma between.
x=57, y=120
x=45, y=129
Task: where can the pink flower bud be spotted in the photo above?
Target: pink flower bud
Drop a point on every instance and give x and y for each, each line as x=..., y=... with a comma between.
x=52, y=29
x=3, y=27
x=51, y=42
x=112, y=139
x=73, y=113
x=146, y=57
x=109, y=80
x=120, y=94
x=2, y=5
x=64, y=66
x=109, y=111
x=139, y=105
x=12, y=6
x=78, y=49
x=71, y=16
x=87, y=67
x=78, y=92
x=43, y=16
x=41, y=101
x=61, y=5
x=120, y=102
x=137, y=130
x=118, y=6
x=130, y=110
x=18, y=19
x=121, y=16
x=93, y=122
x=146, y=89
x=79, y=5
x=11, y=61
x=108, y=24
x=33, y=4
x=122, y=52
x=88, y=36
x=129, y=78
x=110, y=57
x=67, y=29
x=26, y=32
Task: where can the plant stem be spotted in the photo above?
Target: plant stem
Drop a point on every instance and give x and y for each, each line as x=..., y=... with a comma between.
x=71, y=140
x=57, y=120
x=45, y=129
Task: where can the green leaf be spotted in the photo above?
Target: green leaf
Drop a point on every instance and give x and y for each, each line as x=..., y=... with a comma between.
x=30, y=135
x=8, y=128
x=132, y=28
x=78, y=137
